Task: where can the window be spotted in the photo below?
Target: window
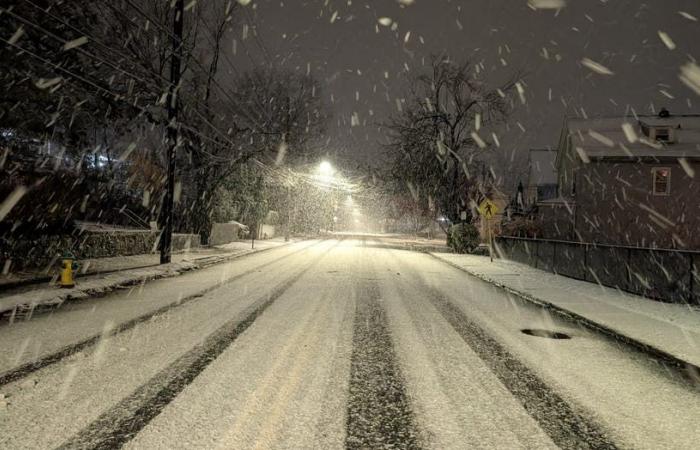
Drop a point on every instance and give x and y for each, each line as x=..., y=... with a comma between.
x=546, y=191
x=658, y=133
x=663, y=135
x=661, y=180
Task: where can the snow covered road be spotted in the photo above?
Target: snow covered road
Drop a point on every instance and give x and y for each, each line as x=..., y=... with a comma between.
x=329, y=344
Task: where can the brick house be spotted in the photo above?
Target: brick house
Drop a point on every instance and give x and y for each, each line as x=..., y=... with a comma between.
x=627, y=181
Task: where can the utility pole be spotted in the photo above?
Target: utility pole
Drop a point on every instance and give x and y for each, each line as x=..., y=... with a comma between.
x=289, y=189
x=166, y=238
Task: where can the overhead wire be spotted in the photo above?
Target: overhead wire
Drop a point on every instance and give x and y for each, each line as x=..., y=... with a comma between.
x=131, y=75
x=121, y=96
x=65, y=41
x=199, y=65
x=117, y=96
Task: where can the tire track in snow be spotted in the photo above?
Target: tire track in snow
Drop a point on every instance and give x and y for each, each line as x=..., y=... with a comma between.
x=567, y=427
x=378, y=411
x=123, y=421
x=31, y=367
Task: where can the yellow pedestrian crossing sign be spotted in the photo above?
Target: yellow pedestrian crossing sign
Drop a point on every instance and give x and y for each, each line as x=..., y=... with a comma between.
x=488, y=209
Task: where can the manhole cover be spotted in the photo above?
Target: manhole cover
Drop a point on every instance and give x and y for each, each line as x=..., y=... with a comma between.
x=546, y=334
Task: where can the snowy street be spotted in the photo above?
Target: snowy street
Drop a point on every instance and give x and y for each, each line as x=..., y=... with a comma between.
x=337, y=343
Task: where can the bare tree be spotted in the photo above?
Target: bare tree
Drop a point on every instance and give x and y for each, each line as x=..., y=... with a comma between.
x=439, y=136
x=284, y=118
x=100, y=69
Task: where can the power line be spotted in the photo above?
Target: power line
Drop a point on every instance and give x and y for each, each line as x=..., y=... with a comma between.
x=214, y=82
x=92, y=39
x=78, y=49
x=104, y=90
x=90, y=55
x=119, y=96
x=261, y=45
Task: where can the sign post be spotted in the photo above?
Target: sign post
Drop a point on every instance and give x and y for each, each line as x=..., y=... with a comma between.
x=488, y=209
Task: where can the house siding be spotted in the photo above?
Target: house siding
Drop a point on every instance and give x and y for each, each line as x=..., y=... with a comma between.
x=614, y=204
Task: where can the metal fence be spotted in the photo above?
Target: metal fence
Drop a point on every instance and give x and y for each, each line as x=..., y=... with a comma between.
x=663, y=274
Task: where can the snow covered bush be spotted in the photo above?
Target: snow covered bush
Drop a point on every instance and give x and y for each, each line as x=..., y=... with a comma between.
x=463, y=237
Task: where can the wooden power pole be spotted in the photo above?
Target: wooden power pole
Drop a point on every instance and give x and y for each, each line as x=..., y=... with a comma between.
x=166, y=238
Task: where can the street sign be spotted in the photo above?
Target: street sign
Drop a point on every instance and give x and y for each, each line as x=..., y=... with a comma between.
x=488, y=209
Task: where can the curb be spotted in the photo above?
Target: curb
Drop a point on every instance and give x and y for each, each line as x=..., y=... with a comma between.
x=9, y=286
x=27, y=368
x=168, y=271
x=689, y=370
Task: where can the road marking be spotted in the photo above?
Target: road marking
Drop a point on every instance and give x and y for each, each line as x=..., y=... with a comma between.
x=378, y=411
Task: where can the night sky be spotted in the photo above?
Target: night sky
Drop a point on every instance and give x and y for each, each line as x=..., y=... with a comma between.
x=363, y=64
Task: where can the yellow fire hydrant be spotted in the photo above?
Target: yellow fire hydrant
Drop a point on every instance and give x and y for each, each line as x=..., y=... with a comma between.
x=69, y=265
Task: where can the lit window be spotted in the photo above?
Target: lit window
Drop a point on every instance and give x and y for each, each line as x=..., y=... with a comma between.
x=661, y=180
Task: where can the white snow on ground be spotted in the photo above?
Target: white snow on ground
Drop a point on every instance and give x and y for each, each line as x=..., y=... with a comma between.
x=25, y=341
x=671, y=328
x=200, y=255
x=130, y=269
x=283, y=383
x=69, y=395
x=247, y=245
x=635, y=399
x=54, y=295
x=457, y=399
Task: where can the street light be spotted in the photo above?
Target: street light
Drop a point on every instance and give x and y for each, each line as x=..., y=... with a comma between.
x=326, y=169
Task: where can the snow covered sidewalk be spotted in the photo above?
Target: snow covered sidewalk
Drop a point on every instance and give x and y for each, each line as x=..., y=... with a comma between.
x=99, y=276
x=672, y=330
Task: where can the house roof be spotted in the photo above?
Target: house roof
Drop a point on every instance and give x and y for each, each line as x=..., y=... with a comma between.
x=624, y=137
x=542, y=170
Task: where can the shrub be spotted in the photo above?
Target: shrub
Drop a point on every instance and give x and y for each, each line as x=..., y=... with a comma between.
x=463, y=237
x=521, y=227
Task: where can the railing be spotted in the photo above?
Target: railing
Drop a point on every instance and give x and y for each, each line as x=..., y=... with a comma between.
x=133, y=218
x=664, y=274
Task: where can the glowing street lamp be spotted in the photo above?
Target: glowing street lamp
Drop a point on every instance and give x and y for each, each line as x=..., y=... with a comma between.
x=326, y=169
